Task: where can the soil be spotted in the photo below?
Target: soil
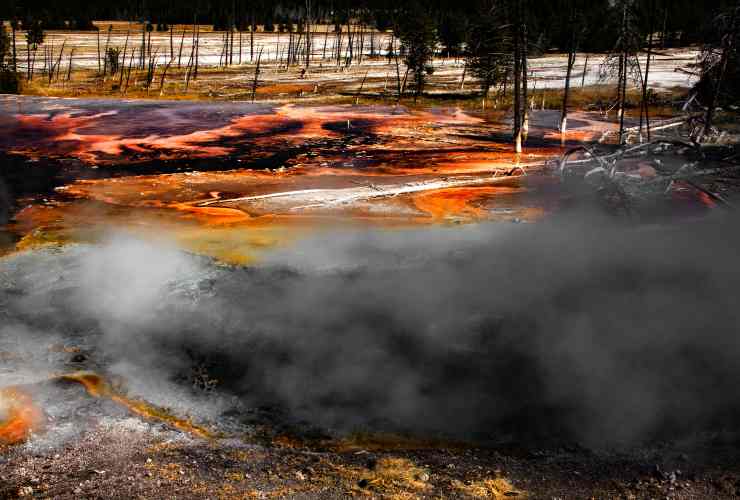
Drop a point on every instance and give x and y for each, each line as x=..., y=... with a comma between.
x=104, y=451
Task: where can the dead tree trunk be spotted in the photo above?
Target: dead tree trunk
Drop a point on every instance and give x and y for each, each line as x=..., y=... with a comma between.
x=128, y=73
x=189, y=67
x=585, y=71
x=231, y=45
x=59, y=62
x=125, y=50
x=362, y=85
x=179, y=52
x=256, y=75
x=566, y=90
x=308, y=33
x=105, y=53
x=644, y=104
x=15, y=60
x=69, y=67
x=197, y=50
x=55, y=68
x=326, y=38
x=517, y=83
x=398, y=77
x=149, y=45
x=164, y=75
x=339, y=46
x=123, y=63
x=143, y=46
x=525, y=108
x=222, y=54
x=622, y=83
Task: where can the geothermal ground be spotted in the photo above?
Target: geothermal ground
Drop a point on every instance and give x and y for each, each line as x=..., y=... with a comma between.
x=236, y=300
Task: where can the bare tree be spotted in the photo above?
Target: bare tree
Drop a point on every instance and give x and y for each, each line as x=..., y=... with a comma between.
x=256, y=75
x=520, y=65
x=525, y=72
x=574, y=28
x=623, y=58
x=644, y=109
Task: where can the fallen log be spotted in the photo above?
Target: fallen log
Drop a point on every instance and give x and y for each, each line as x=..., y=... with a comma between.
x=342, y=196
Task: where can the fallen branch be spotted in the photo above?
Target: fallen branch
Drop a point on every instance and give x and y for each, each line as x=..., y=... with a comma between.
x=350, y=195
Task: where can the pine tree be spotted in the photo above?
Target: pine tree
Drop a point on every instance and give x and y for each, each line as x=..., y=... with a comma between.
x=490, y=48
x=418, y=34
x=34, y=38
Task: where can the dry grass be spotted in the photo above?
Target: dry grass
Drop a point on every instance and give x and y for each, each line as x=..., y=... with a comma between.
x=393, y=473
x=497, y=488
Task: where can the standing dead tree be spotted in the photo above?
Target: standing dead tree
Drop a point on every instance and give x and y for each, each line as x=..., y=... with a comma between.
x=256, y=75
x=128, y=72
x=164, y=75
x=524, y=52
x=197, y=49
x=105, y=52
x=179, y=52
x=644, y=104
x=69, y=66
x=517, y=53
x=309, y=40
x=151, y=68
x=622, y=60
x=585, y=71
x=575, y=27
x=54, y=65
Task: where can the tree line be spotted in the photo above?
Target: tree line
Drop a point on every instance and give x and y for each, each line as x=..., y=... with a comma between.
x=678, y=21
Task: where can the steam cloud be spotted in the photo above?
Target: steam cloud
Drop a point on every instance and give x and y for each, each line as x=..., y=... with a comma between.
x=589, y=329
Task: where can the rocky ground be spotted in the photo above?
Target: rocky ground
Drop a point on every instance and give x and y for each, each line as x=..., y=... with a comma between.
x=119, y=456
x=95, y=448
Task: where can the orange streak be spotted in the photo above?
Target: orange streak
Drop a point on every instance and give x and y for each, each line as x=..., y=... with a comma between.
x=97, y=387
x=22, y=417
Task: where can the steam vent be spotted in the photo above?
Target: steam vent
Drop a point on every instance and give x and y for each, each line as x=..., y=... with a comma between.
x=391, y=250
